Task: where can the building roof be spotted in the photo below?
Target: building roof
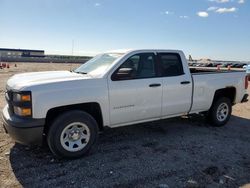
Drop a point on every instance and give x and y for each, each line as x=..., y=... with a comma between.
x=20, y=50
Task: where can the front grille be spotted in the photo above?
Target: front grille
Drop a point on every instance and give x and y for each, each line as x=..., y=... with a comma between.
x=9, y=95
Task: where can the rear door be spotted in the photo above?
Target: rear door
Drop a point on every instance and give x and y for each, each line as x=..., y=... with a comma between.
x=138, y=97
x=177, y=87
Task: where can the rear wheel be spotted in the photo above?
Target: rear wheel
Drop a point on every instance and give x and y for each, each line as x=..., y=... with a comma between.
x=220, y=112
x=72, y=134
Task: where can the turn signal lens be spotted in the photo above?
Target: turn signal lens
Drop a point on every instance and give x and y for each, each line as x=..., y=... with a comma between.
x=25, y=98
x=22, y=111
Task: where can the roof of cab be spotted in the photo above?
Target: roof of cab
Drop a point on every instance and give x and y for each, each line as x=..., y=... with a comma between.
x=124, y=51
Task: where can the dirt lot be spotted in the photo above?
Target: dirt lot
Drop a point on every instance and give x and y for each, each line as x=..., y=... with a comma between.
x=180, y=152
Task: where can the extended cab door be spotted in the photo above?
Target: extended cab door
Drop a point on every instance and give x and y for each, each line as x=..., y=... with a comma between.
x=177, y=84
x=135, y=91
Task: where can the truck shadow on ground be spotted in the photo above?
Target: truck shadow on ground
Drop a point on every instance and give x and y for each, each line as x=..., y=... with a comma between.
x=178, y=152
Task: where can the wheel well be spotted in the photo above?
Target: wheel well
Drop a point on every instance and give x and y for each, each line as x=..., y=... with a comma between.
x=93, y=109
x=229, y=92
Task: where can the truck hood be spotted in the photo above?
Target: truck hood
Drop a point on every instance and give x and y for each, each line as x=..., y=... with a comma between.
x=19, y=81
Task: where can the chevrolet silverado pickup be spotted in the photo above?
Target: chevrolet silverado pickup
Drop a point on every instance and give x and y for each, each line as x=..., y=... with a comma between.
x=67, y=109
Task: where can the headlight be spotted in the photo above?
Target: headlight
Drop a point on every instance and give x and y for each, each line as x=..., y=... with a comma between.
x=21, y=97
x=22, y=111
x=22, y=103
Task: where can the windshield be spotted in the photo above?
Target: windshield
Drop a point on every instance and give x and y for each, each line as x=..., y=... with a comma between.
x=99, y=64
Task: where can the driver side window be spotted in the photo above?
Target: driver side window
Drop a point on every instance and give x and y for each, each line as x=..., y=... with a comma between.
x=138, y=66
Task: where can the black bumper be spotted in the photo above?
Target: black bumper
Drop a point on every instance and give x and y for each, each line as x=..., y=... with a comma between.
x=244, y=98
x=26, y=131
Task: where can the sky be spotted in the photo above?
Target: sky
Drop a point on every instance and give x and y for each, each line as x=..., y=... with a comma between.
x=215, y=29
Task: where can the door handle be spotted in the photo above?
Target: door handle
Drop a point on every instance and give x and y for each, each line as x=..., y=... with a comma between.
x=185, y=82
x=154, y=85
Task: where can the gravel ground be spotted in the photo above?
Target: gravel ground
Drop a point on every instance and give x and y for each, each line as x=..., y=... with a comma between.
x=179, y=152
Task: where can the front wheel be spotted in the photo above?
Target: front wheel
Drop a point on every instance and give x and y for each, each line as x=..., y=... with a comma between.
x=220, y=112
x=72, y=134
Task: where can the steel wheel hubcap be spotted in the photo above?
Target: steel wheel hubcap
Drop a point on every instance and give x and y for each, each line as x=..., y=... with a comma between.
x=222, y=112
x=75, y=136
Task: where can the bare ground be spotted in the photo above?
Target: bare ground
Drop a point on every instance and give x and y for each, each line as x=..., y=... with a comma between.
x=180, y=152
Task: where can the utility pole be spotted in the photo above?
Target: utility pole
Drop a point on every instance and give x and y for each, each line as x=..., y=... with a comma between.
x=0, y=59
x=72, y=53
x=73, y=43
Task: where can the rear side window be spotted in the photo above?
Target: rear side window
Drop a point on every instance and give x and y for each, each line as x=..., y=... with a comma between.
x=171, y=64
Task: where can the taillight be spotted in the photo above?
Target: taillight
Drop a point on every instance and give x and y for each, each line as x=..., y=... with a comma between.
x=246, y=82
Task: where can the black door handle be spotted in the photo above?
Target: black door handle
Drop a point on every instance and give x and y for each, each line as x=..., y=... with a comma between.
x=154, y=85
x=185, y=82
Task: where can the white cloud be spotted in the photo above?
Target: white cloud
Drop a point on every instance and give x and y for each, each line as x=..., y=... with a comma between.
x=212, y=8
x=241, y=1
x=202, y=14
x=168, y=12
x=220, y=1
x=226, y=10
x=97, y=4
x=184, y=17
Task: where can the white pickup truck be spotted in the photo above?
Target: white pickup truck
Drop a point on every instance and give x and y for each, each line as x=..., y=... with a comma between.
x=69, y=108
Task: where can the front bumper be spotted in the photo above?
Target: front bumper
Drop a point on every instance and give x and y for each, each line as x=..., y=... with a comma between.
x=26, y=131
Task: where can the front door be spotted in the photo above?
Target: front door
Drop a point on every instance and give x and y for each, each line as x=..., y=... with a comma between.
x=137, y=96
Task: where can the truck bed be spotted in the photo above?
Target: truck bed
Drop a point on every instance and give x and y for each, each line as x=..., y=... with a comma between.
x=208, y=80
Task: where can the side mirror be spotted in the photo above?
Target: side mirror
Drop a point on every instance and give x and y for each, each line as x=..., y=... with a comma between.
x=123, y=73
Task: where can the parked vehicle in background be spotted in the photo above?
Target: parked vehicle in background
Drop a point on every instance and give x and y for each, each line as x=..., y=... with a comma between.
x=235, y=65
x=228, y=64
x=210, y=65
x=114, y=89
x=244, y=65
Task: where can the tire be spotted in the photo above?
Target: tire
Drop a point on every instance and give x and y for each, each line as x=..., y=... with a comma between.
x=72, y=134
x=220, y=112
